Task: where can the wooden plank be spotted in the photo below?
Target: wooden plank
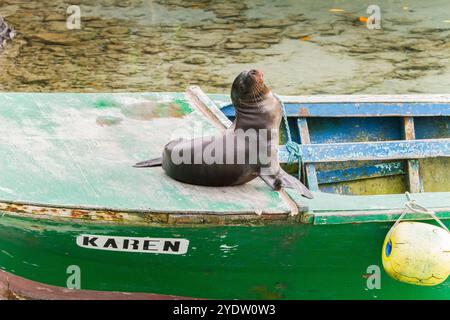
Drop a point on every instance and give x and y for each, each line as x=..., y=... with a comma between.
x=415, y=184
x=366, y=109
x=208, y=108
x=311, y=174
x=347, y=129
x=328, y=202
x=360, y=172
x=380, y=150
x=374, y=98
x=330, y=208
x=414, y=180
x=339, y=217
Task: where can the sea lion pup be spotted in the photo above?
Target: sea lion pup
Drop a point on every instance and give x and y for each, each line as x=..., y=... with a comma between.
x=248, y=149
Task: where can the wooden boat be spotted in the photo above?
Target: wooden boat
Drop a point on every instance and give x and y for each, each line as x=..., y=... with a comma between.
x=75, y=214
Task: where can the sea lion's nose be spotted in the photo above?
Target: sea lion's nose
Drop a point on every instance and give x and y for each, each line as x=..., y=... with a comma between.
x=256, y=72
x=260, y=72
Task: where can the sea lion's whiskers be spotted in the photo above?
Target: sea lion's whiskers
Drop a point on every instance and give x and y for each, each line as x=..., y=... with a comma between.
x=254, y=94
x=257, y=94
x=258, y=89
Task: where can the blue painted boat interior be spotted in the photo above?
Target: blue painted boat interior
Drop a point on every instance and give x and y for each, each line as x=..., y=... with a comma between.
x=331, y=124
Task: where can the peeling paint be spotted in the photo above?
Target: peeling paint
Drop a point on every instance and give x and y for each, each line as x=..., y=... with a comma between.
x=136, y=217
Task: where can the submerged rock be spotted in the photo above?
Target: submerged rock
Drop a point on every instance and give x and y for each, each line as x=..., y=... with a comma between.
x=196, y=59
x=55, y=38
x=6, y=32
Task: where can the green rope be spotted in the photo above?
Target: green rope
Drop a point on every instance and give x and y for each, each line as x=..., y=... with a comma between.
x=293, y=148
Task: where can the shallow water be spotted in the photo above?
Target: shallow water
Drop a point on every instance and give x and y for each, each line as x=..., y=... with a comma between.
x=304, y=47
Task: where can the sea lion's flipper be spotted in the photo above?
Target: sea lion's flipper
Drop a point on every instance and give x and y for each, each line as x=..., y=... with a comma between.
x=288, y=181
x=149, y=163
x=285, y=180
x=272, y=181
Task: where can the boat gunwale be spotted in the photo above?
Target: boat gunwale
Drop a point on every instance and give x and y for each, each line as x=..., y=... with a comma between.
x=306, y=105
x=137, y=217
x=375, y=98
x=170, y=219
x=388, y=215
x=14, y=287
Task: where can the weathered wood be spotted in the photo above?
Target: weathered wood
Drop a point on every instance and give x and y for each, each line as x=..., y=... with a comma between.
x=66, y=156
x=374, y=98
x=359, y=109
x=294, y=206
x=77, y=150
x=353, y=98
x=380, y=150
x=311, y=174
x=374, y=216
x=329, y=208
x=208, y=108
x=360, y=172
x=352, y=111
x=414, y=180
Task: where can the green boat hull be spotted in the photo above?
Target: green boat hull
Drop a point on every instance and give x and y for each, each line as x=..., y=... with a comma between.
x=275, y=261
x=67, y=176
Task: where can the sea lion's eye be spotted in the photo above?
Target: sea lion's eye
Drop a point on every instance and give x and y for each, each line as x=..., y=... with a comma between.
x=242, y=86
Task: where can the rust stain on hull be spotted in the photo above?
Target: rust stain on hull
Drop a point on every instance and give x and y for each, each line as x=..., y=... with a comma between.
x=63, y=212
x=142, y=217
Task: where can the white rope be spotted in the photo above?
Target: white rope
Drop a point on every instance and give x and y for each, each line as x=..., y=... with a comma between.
x=413, y=206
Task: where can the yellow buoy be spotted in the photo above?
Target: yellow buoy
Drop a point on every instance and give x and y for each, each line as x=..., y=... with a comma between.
x=417, y=253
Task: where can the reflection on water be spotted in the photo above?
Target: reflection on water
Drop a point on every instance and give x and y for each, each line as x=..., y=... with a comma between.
x=305, y=47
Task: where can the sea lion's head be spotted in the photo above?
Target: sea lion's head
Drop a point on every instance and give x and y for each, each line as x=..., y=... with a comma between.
x=248, y=88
